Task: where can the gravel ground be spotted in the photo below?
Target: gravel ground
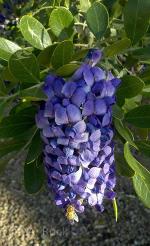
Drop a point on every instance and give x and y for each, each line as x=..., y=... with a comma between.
x=34, y=220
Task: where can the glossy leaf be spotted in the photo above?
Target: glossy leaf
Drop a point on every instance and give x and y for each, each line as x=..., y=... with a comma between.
x=5, y=106
x=18, y=123
x=11, y=145
x=117, y=47
x=145, y=76
x=130, y=87
x=24, y=67
x=97, y=19
x=124, y=132
x=34, y=176
x=44, y=58
x=136, y=19
x=33, y=93
x=139, y=117
x=117, y=112
x=67, y=70
x=61, y=23
x=84, y=5
x=142, y=53
x=62, y=54
x=142, y=190
x=122, y=166
x=34, y=32
x=144, y=146
x=7, y=48
x=35, y=148
x=136, y=166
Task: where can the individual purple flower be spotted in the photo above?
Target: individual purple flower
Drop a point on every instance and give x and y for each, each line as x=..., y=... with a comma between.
x=76, y=128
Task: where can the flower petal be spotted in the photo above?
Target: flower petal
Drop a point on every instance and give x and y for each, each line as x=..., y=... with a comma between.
x=60, y=115
x=94, y=172
x=74, y=114
x=69, y=88
x=78, y=96
x=88, y=108
x=88, y=75
x=80, y=127
x=100, y=107
x=99, y=74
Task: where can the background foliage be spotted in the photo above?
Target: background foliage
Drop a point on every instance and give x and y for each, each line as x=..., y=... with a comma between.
x=38, y=37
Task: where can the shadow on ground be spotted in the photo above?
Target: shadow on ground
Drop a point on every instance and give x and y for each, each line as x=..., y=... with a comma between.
x=35, y=220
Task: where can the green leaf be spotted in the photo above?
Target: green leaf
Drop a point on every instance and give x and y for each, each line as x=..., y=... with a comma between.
x=33, y=93
x=5, y=105
x=84, y=5
x=7, y=48
x=142, y=53
x=81, y=54
x=136, y=19
x=24, y=67
x=44, y=58
x=67, y=70
x=142, y=190
x=18, y=123
x=34, y=32
x=7, y=75
x=34, y=176
x=11, y=145
x=97, y=19
x=130, y=87
x=139, y=117
x=124, y=132
x=117, y=47
x=62, y=54
x=144, y=146
x=122, y=166
x=145, y=76
x=115, y=209
x=35, y=148
x=117, y=112
x=61, y=23
x=132, y=103
x=136, y=166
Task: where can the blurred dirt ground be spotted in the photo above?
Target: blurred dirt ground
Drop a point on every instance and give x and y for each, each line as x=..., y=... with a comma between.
x=35, y=220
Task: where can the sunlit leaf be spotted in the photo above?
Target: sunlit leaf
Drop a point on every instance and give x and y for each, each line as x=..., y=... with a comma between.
x=34, y=32
x=142, y=190
x=7, y=48
x=61, y=23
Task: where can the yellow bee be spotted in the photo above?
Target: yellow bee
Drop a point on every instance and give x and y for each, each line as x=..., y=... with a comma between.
x=71, y=214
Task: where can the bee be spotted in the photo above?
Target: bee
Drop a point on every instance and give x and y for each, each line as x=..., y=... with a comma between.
x=71, y=214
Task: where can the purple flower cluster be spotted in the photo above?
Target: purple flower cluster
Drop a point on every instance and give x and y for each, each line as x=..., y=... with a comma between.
x=76, y=127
